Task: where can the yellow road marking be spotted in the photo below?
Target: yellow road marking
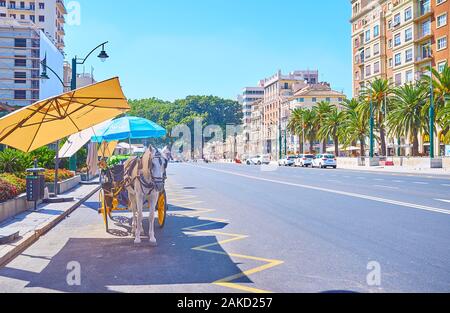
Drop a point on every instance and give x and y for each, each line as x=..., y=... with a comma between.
x=226, y=282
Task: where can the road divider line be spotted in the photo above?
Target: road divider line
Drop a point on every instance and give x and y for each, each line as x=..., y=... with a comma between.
x=388, y=187
x=443, y=200
x=342, y=193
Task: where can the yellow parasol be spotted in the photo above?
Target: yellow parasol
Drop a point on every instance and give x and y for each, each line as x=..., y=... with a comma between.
x=49, y=120
x=107, y=149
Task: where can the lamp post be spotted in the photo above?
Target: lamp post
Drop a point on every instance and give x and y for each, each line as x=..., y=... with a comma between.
x=372, y=126
x=44, y=76
x=432, y=113
x=76, y=61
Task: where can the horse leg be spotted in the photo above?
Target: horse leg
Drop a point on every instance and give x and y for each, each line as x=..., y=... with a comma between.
x=139, y=205
x=133, y=211
x=153, y=203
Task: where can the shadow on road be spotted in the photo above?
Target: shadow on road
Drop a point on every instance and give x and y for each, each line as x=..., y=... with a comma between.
x=119, y=262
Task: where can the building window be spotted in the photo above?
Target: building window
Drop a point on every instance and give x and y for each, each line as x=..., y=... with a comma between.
x=328, y=100
x=397, y=20
x=368, y=70
x=408, y=14
x=442, y=43
x=390, y=62
x=398, y=79
x=397, y=40
x=426, y=28
x=314, y=99
x=20, y=61
x=398, y=59
x=20, y=43
x=20, y=77
x=368, y=36
x=41, y=5
x=409, y=76
x=20, y=94
x=409, y=55
x=376, y=49
x=442, y=20
x=408, y=34
x=41, y=18
x=441, y=66
x=376, y=31
x=376, y=67
x=301, y=100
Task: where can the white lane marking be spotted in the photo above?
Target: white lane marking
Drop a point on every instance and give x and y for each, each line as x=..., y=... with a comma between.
x=446, y=185
x=388, y=187
x=342, y=193
x=361, y=178
x=443, y=200
x=420, y=183
x=379, y=179
x=398, y=181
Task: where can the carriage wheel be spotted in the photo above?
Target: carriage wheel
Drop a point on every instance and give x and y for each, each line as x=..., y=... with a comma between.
x=103, y=209
x=162, y=209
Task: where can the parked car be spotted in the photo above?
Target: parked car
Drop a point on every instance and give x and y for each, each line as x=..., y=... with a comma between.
x=324, y=161
x=259, y=160
x=304, y=160
x=289, y=161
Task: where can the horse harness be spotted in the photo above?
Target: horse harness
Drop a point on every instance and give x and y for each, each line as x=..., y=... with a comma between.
x=150, y=185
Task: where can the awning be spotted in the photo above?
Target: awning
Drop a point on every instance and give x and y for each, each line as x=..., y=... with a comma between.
x=77, y=141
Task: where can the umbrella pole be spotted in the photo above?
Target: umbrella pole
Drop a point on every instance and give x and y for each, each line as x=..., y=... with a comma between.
x=56, y=167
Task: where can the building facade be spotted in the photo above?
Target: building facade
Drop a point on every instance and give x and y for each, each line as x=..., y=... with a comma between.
x=307, y=98
x=398, y=39
x=22, y=47
x=277, y=89
x=47, y=15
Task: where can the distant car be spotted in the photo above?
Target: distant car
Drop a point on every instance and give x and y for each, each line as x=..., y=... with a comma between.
x=289, y=161
x=259, y=160
x=324, y=161
x=304, y=160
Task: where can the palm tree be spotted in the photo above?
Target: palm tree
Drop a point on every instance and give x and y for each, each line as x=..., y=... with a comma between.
x=378, y=92
x=356, y=127
x=408, y=116
x=310, y=127
x=322, y=110
x=295, y=126
x=331, y=127
x=441, y=84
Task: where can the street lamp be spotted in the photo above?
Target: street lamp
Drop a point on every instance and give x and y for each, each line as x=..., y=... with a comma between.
x=432, y=109
x=372, y=126
x=44, y=76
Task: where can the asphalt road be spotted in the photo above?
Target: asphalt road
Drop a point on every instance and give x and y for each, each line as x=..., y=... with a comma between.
x=241, y=228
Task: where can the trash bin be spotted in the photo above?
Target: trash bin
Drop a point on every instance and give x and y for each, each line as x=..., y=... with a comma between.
x=35, y=185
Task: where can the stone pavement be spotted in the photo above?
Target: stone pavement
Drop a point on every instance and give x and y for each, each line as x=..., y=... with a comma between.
x=31, y=225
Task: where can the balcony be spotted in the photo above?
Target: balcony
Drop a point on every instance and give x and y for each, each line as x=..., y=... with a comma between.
x=423, y=37
x=60, y=5
x=423, y=59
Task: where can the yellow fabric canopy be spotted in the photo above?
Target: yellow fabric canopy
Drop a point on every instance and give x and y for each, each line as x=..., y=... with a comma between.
x=49, y=120
x=107, y=149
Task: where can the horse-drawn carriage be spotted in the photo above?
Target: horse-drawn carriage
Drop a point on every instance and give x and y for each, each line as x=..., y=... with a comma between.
x=114, y=196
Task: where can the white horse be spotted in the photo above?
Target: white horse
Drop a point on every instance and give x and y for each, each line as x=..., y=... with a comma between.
x=145, y=178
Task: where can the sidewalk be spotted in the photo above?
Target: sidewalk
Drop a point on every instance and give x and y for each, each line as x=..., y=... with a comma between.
x=399, y=170
x=31, y=225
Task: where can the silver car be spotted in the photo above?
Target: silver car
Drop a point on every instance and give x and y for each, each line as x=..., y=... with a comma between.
x=304, y=160
x=324, y=161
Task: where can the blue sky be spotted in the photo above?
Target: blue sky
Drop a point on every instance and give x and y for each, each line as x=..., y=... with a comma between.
x=171, y=49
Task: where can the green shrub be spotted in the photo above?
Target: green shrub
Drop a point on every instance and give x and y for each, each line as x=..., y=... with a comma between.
x=62, y=175
x=17, y=182
x=45, y=157
x=14, y=161
x=7, y=191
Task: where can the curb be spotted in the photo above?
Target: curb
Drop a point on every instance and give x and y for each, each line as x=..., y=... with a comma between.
x=33, y=237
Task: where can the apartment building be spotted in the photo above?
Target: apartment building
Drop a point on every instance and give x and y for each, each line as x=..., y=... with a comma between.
x=47, y=15
x=398, y=39
x=277, y=89
x=307, y=98
x=22, y=47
